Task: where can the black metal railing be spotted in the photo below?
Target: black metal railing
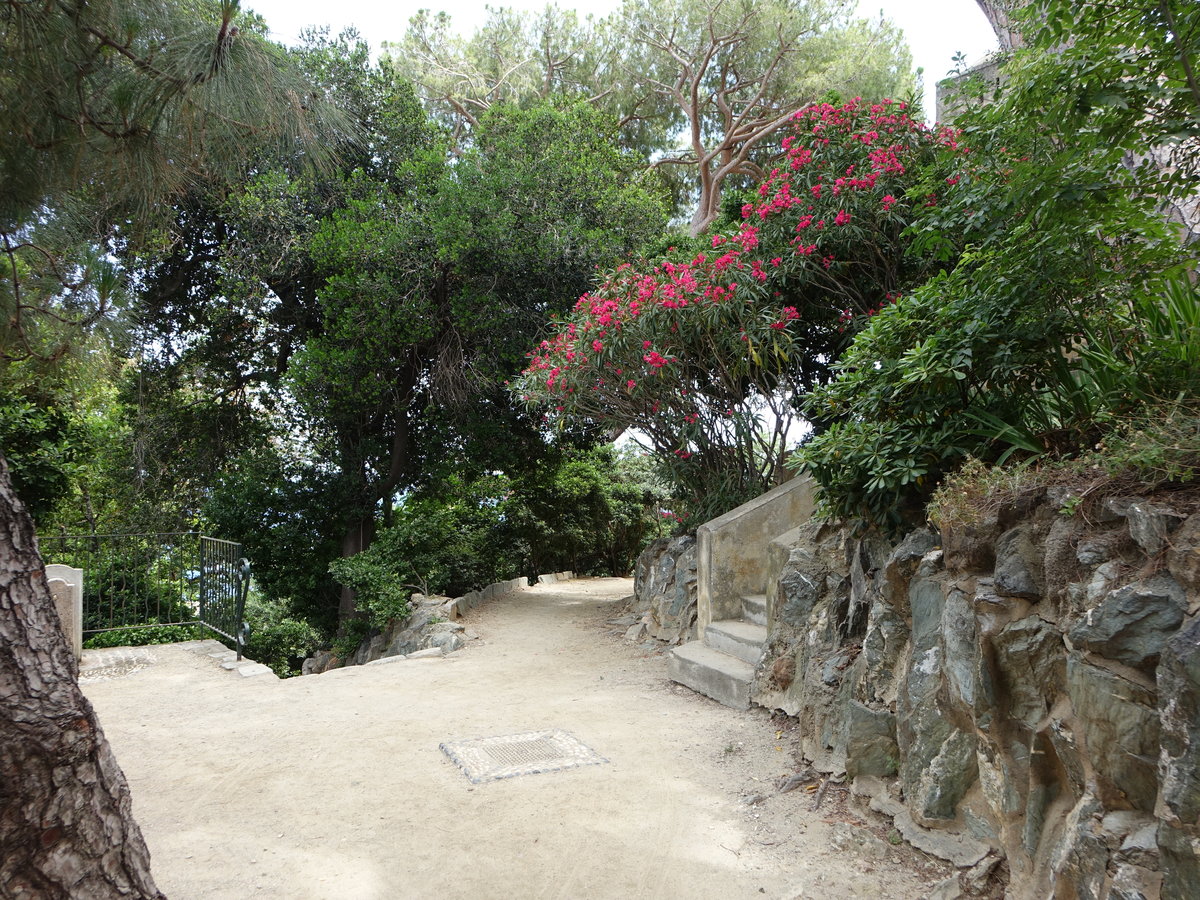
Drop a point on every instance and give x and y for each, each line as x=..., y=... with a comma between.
x=224, y=581
x=135, y=581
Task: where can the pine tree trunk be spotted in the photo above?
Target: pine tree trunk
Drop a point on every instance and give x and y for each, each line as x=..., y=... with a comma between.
x=66, y=822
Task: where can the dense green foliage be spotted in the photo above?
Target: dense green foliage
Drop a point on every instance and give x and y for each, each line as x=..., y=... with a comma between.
x=140, y=637
x=373, y=311
x=276, y=638
x=694, y=88
x=1072, y=304
x=1124, y=72
x=1031, y=293
x=41, y=448
x=587, y=511
x=310, y=358
x=707, y=352
x=109, y=110
x=300, y=344
x=112, y=111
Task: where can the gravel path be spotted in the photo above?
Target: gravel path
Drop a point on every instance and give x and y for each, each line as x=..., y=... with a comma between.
x=334, y=786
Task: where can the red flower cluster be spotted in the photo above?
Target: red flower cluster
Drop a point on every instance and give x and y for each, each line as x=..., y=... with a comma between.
x=885, y=128
x=842, y=181
x=789, y=314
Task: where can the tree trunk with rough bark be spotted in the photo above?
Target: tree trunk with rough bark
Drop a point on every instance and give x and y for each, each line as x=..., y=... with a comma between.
x=360, y=534
x=66, y=821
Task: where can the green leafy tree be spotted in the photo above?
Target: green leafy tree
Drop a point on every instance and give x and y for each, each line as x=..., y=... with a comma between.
x=285, y=509
x=126, y=97
x=376, y=306
x=513, y=58
x=1126, y=72
x=588, y=511
x=109, y=109
x=434, y=281
x=43, y=438
x=708, y=353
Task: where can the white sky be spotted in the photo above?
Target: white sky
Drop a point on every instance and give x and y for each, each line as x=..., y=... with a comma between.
x=936, y=29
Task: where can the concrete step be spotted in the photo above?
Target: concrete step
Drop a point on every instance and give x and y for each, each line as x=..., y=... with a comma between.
x=248, y=668
x=712, y=673
x=737, y=637
x=754, y=609
x=228, y=660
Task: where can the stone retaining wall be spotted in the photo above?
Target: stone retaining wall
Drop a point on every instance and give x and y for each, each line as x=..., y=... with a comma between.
x=1027, y=688
x=664, y=591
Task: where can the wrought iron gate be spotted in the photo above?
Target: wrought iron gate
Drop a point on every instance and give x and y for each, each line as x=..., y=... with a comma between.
x=137, y=581
x=224, y=582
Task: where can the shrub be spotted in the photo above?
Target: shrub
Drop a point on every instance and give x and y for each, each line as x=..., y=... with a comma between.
x=590, y=511
x=381, y=593
x=154, y=634
x=282, y=644
x=1155, y=449
x=707, y=353
x=1054, y=322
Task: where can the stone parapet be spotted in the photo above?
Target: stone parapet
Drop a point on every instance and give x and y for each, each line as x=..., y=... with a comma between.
x=731, y=550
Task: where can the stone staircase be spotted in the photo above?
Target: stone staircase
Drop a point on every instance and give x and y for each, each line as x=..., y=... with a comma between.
x=721, y=664
x=736, y=572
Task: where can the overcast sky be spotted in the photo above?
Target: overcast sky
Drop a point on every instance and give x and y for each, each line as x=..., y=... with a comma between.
x=936, y=29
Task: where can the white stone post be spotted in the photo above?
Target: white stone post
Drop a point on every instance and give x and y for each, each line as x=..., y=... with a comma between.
x=66, y=587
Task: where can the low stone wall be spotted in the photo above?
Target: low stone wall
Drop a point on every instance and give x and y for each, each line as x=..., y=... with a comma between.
x=664, y=591
x=1027, y=688
x=432, y=625
x=459, y=605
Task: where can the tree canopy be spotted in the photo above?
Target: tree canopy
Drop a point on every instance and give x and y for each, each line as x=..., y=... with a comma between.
x=109, y=110
x=136, y=102
x=377, y=308
x=695, y=88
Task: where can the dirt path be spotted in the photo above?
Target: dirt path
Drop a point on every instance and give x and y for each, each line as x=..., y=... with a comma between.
x=333, y=786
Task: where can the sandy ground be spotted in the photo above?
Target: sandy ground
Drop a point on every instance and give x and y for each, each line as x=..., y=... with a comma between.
x=333, y=786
